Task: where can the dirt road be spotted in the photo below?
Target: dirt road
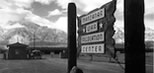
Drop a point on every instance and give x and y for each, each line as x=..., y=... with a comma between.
x=57, y=65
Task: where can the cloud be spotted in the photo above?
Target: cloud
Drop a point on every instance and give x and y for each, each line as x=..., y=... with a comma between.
x=38, y=20
x=12, y=17
x=44, y=1
x=16, y=3
x=9, y=15
x=149, y=13
x=20, y=14
x=149, y=10
x=149, y=16
x=60, y=24
x=84, y=5
x=54, y=12
x=149, y=4
x=149, y=23
x=63, y=3
x=16, y=25
x=93, y=4
x=14, y=10
x=119, y=15
x=4, y=4
x=120, y=5
x=119, y=23
x=22, y=3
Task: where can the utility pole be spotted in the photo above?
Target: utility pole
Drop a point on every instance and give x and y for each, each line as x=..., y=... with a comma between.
x=34, y=40
x=134, y=36
x=72, y=48
x=34, y=35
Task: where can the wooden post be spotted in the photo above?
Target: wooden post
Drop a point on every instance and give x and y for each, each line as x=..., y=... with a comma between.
x=134, y=36
x=72, y=49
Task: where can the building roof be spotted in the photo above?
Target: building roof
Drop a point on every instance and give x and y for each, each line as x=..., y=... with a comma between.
x=47, y=44
x=17, y=44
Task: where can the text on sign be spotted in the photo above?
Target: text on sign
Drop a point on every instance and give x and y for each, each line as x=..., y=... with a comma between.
x=93, y=16
x=95, y=48
x=96, y=37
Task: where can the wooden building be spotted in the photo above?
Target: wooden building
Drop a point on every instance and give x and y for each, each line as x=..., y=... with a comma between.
x=17, y=51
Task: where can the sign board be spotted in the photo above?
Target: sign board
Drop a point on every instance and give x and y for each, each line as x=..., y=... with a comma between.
x=94, y=48
x=92, y=40
x=93, y=16
x=95, y=29
x=91, y=27
x=95, y=37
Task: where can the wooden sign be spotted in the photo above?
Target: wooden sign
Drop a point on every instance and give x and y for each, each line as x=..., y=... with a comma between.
x=96, y=29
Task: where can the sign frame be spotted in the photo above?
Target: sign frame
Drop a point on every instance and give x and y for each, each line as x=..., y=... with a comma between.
x=104, y=24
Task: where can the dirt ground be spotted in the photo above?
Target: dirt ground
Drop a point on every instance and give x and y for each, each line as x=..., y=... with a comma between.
x=54, y=64
x=121, y=60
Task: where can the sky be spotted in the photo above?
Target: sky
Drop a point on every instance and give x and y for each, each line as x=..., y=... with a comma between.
x=53, y=13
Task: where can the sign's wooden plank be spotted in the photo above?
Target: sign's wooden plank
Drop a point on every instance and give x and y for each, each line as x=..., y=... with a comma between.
x=94, y=48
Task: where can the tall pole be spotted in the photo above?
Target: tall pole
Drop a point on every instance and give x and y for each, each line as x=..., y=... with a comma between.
x=34, y=40
x=134, y=36
x=72, y=48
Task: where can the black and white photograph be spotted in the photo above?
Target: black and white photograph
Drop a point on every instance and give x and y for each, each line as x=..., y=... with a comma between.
x=76, y=36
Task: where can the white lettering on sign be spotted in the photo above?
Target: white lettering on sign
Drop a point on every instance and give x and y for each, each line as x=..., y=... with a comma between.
x=96, y=37
x=91, y=27
x=93, y=16
x=95, y=48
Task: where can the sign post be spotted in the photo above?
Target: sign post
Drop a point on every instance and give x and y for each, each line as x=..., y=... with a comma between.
x=72, y=49
x=96, y=30
x=134, y=36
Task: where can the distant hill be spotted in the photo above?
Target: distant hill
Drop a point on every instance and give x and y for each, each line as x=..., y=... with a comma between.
x=119, y=34
x=44, y=35
x=32, y=31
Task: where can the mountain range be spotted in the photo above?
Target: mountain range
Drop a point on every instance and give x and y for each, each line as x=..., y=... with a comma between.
x=31, y=32
x=119, y=34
